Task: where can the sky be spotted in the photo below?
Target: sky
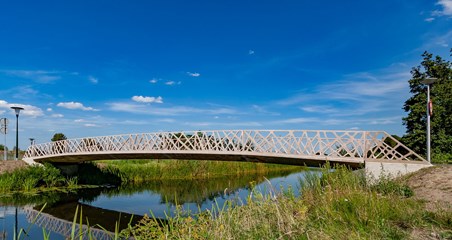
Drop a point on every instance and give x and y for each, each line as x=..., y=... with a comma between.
x=96, y=68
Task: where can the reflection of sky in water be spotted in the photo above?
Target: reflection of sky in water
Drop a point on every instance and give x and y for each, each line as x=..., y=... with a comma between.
x=146, y=201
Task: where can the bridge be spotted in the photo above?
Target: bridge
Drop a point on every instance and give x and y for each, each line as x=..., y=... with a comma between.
x=293, y=147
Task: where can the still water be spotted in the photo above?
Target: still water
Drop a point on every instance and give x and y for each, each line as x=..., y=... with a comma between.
x=106, y=206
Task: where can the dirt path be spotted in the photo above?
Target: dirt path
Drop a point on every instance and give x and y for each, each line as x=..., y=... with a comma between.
x=11, y=165
x=433, y=184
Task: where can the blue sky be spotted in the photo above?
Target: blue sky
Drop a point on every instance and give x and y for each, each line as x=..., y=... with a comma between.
x=90, y=68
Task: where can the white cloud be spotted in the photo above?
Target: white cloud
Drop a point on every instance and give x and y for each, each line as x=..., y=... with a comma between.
x=90, y=125
x=40, y=76
x=75, y=105
x=147, y=99
x=57, y=115
x=251, y=52
x=171, y=83
x=195, y=74
x=29, y=110
x=153, y=81
x=93, y=80
x=79, y=120
x=429, y=19
x=49, y=109
x=447, y=8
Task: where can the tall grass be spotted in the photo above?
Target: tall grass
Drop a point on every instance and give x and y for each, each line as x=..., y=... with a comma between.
x=136, y=171
x=338, y=204
x=31, y=179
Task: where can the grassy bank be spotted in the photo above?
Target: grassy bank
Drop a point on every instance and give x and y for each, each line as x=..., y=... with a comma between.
x=136, y=171
x=34, y=178
x=336, y=205
x=38, y=179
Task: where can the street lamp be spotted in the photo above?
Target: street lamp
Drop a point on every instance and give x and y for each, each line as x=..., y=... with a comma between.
x=17, y=110
x=32, y=141
x=428, y=82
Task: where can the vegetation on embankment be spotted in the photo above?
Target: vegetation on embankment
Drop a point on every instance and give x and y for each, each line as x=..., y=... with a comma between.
x=136, y=171
x=34, y=178
x=335, y=205
x=38, y=179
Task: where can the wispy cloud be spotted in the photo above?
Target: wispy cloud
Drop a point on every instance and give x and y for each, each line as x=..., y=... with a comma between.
x=446, y=8
x=29, y=110
x=195, y=74
x=224, y=124
x=57, y=115
x=356, y=94
x=251, y=52
x=168, y=111
x=75, y=106
x=40, y=76
x=90, y=125
x=172, y=83
x=319, y=109
x=430, y=19
x=93, y=80
x=295, y=121
x=263, y=110
x=147, y=99
x=154, y=80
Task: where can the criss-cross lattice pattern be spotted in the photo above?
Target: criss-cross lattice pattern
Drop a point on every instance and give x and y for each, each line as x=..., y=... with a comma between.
x=63, y=227
x=306, y=144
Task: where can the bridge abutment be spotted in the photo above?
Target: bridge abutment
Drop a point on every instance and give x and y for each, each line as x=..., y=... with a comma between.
x=377, y=169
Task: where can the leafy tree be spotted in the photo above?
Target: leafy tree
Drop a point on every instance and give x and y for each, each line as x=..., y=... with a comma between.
x=58, y=137
x=2, y=147
x=415, y=106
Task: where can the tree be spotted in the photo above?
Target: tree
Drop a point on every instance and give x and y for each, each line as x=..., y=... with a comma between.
x=2, y=147
x=58, y=137
x=415, y=106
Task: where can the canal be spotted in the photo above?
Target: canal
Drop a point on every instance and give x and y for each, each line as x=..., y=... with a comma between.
x=109, y=205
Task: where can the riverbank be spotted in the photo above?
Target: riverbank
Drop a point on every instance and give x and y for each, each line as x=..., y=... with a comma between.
x=19, y=177
x=335, y=205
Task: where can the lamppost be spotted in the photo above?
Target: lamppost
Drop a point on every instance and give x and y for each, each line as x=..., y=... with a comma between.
x=17, y=110
x=32, y=141
x=428, y=82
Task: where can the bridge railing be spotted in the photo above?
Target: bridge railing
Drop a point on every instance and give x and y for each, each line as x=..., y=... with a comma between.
x=63, y=227
x=302, y=143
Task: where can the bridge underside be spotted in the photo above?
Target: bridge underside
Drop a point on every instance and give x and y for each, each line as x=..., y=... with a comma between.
x=311, y=161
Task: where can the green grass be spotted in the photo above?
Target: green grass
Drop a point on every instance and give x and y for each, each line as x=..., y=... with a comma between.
x=136, y=171
x=31, y=179
x=338, y=204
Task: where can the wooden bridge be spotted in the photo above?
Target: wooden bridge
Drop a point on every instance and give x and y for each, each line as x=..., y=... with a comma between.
x=292, y=147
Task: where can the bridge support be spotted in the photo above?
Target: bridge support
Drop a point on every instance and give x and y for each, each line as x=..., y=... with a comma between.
x=376, y=169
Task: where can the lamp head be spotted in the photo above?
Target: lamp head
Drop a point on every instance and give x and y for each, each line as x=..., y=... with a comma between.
x=428, y=81
x=17, y=110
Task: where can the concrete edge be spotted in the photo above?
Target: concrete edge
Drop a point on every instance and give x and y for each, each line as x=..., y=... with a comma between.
x=376, y=170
